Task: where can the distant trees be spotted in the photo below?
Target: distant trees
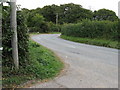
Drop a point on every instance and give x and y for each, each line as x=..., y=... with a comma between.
x=42, y=19
x=67, y=13
x=49, y=12
x=71, y=13
x=105, y=14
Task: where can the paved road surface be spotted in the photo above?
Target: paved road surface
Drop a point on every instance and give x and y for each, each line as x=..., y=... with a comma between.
x=87, y=66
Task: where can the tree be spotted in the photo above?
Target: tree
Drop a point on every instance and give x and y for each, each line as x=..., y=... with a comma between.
x=14, y=38
x=105, y=14
x=65, y=13
x=36, y=23
x=71, y=13
x=49, y=13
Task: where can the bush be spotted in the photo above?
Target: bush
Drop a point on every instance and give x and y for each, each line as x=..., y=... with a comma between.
x=53, y=27
x=37, y=23
x=92, y=29
x=42, y=28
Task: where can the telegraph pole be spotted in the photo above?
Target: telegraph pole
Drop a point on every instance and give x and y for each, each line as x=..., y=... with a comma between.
x=13, y=22
x=56, y=18
x=57, y=21
x=1, y=43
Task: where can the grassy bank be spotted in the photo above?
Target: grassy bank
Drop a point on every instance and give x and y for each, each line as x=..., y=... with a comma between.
x=43, y=64
x=98, y=42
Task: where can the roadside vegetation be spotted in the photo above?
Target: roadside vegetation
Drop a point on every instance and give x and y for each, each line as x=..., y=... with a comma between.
x=74, y=22
x=101, y=33
x=97, y=28
x=95, y=41
x=43, y=64
x=35, y=61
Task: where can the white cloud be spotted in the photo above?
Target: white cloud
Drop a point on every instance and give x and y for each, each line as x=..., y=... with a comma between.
x=93, y=4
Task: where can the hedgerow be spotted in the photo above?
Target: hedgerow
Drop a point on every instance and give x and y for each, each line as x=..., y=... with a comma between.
x=92, y=29
x=7, y=37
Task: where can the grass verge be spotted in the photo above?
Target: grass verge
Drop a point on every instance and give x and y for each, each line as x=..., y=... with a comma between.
x=43, y=64
x=35, y=33
x=54, y=33
x=98, y=42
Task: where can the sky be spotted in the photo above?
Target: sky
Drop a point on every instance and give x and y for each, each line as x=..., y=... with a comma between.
x=88, y=4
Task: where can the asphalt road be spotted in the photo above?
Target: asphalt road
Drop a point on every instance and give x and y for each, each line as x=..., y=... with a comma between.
x=87, y=66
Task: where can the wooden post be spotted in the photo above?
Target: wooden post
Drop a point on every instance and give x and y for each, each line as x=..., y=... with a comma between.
x=56, y=18
x=13, y=22
x=57, y=21
x=1, y=44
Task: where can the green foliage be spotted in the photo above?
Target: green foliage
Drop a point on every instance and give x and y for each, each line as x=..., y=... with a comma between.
x=92, y=29
x=7, y=37
x=53, y=27
x=67, y=13
x=49, y=12
x=36, y=23
x=105, y=14
x=42, y=65
x=23, y=38
x=95, y=41
x=38, y=19
x=71, y=13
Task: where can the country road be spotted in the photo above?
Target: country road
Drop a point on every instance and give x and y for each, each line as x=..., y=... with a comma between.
x=87, y=66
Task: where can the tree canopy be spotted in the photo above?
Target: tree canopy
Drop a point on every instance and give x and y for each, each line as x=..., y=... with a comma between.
x=105, y=14
x=70, y=13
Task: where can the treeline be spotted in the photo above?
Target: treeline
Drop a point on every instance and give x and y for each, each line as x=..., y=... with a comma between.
x=51, y=17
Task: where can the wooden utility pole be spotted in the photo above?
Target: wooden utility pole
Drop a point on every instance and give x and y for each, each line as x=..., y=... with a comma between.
x=13, y=22
x=56, y=18
x=57, y=21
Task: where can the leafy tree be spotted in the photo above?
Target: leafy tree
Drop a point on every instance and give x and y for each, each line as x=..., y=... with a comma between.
x=36, y=23
x=67, y=13
x=105, y=14
x=37, y=19
x=49, y=12
x=71, y=13
x=26, y=13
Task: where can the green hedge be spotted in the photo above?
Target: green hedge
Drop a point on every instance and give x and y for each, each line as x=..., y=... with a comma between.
x=7, y=37
x=92, y=29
